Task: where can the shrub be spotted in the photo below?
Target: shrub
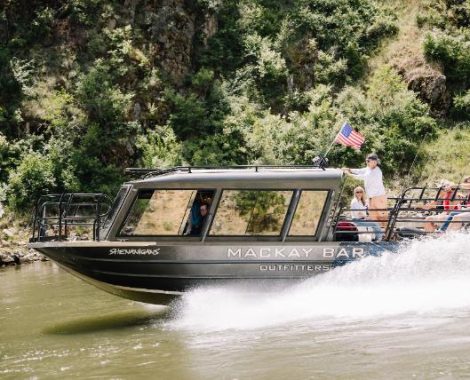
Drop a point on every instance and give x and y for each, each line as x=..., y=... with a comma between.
x=199, y=112
x=104, y=101
x=215, y=150
x=393, y=119
x=462, y=104
x=269, y=72
x=33, y=177
x=159, y=148
x=453, y=53
x=59, y=152
x=448, y=44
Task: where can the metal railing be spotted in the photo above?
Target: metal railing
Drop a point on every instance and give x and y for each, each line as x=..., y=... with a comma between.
x=412, y=213
x=151, y=172
x=57, y=214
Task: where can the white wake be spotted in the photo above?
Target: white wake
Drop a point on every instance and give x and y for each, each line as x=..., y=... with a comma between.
x=426, y=276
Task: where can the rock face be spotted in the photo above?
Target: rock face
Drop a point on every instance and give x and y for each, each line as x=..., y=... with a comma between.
x=172, y=27
x=172, y=30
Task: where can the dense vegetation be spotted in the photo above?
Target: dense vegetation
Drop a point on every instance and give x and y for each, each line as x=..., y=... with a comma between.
x=448, y=44
x=89, y=87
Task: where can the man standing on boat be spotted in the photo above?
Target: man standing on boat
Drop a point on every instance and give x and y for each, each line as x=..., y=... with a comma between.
x=375, y=189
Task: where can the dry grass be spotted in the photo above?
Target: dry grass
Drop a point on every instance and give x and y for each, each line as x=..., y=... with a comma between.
x=449, y=157
x=404, y=52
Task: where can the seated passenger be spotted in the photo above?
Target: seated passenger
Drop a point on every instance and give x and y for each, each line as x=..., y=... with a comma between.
x=196, y=229
x=359, y=213
x=459, y=220
x=456, y=219
x=434, y=221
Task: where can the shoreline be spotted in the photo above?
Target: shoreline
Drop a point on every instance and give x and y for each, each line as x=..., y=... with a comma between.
x=20, y=255
x=14, y=237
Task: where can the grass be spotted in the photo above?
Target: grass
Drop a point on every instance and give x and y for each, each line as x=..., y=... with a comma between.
x=405, y=50
x=448, y=157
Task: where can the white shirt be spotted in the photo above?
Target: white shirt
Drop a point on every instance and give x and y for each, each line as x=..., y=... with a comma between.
x=373, y=181
x=358, y=210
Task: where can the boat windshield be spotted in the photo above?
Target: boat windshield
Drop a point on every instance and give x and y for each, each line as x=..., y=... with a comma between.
x=265, y=212
x=247, y=212
x=308, y=213
x=251, y=212
x=168, y=212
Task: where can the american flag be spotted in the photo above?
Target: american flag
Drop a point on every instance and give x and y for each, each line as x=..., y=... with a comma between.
x=349, y=137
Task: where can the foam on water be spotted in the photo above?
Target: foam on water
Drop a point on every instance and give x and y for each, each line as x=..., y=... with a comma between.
x=426, y=276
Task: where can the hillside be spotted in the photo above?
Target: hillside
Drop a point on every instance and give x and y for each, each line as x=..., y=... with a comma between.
x=88, y=88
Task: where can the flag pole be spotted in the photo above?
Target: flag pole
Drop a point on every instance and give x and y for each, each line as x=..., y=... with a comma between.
x=321, y=160
x=333, y=142
x=329, y=148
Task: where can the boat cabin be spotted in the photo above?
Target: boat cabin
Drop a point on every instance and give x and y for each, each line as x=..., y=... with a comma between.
x=242, y=203
x=202, y=204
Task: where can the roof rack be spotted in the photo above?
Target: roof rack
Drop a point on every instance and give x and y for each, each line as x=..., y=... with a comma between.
x=151, y=172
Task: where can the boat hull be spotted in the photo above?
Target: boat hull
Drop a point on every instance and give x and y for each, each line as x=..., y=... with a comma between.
x=157, y=273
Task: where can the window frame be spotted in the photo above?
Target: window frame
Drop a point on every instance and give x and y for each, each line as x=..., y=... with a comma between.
x=250, y=237
x=132, y=197
x=120, y=236
x=320, y=219
x=116, y=206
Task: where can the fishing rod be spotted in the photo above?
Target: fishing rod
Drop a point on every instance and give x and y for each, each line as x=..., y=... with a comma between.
x=436, y=168
x=418, y=151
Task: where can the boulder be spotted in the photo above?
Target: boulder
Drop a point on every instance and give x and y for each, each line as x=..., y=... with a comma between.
x=32, y=256
x=426, y=80
x=6, y=259
x=10, y=232
x=430, y=85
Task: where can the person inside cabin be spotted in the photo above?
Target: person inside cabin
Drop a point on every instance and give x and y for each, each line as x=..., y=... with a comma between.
x=198, y=213
x=374, y=187
x=196, y=229
x=359, y=213
x=194, y=215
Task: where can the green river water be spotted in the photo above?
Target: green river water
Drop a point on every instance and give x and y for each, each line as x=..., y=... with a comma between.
x=405, y=316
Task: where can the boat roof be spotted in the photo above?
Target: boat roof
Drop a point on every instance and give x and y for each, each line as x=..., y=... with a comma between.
x=241, y=177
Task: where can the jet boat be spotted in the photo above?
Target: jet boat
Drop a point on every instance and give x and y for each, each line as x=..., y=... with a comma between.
x=171, y=230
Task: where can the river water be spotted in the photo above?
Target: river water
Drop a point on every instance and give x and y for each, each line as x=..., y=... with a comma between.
x=396, y=316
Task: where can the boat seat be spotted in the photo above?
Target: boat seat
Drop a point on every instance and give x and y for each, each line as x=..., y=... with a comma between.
x=346, y=231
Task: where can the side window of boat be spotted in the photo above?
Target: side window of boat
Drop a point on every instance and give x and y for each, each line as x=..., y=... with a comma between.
x=159, y=213
x=251, y=213
x=308, y=213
